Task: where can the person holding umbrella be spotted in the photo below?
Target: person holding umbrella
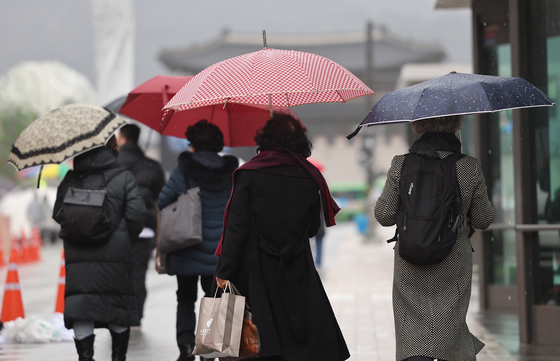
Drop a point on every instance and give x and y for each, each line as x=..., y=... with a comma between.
x=275, y=207
x=430, y=302
x=99, y=279
x=99, y=290
x=201, y=167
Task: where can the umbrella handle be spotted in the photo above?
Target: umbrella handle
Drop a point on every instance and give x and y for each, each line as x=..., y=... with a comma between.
x=264, y=39
x=354, y=133
x=39, y=177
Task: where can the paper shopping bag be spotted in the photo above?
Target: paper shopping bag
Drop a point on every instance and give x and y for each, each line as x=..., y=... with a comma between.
x=220, y=323
x=250, y=341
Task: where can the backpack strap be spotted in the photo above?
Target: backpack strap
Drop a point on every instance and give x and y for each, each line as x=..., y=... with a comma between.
x=462, y=219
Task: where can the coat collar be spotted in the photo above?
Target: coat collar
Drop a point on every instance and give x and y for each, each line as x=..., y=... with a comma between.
x=430, y=143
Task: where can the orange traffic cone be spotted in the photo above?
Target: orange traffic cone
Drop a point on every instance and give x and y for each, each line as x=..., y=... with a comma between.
x=35, y=247
x=25, y=254
x=61, y=286
x=2, y=260
x=16, y=247
x=12, y=306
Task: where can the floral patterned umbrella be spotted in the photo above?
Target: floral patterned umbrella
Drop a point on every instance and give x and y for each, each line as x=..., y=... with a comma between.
x=62, y=134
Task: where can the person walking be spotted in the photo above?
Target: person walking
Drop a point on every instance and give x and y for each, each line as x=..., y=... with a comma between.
x=265, y=252
x=99, y=288
x=430, y=302
x=150, y=179
x=201, y=167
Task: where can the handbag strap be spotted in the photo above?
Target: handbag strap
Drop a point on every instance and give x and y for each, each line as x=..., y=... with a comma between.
x=188, y=182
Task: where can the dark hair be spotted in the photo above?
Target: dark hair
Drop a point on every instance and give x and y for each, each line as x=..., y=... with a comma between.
x=284, y=132
x=445, y=124
x=205, y=136
x=131, y=132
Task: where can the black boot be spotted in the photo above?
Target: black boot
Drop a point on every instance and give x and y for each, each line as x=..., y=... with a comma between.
x=206, y=359
x=186, y=353
x=120, y=345
x=85, y=348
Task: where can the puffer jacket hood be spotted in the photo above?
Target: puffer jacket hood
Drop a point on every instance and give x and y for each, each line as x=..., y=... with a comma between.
x=96, y=160
x=210, y=170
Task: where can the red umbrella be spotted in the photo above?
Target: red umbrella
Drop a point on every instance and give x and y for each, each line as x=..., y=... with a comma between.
x=271, y=77
x=238, y=122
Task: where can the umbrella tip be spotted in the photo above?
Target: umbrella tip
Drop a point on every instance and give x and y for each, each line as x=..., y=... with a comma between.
x=452, y=72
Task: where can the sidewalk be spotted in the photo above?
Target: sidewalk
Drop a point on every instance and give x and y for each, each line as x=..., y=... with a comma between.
x=359, y=284
x=357, y=277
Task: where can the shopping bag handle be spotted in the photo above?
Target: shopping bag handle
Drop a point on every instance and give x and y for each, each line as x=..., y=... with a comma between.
x=231, y=287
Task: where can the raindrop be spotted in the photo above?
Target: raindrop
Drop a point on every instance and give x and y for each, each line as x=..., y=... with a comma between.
x=509, y=298
x=484, y=23
x=489, y=151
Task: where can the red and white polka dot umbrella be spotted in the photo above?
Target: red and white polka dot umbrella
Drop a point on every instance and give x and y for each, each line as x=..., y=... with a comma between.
x=272, y=77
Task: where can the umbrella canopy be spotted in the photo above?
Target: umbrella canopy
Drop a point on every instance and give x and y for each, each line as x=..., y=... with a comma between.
x=455, y=94
x=63, y=133
x=270, y=77
x=238, y=122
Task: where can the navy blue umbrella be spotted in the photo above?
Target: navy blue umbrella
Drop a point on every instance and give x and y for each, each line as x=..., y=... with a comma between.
x=454, y=94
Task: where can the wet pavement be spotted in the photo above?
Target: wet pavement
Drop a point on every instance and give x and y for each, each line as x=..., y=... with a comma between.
x=357, y=276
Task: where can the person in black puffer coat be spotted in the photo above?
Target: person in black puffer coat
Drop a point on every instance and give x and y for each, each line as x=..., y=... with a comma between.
x=150, y=179
x=99, y=288
x=204, y=168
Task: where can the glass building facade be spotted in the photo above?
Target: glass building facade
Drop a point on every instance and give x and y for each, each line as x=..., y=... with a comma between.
x=519, y=255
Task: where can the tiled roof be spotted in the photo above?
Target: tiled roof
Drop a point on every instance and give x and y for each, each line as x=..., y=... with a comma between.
x=349, y=50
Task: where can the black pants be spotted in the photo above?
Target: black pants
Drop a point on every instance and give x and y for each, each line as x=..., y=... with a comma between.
x=187, y=287
x=143, y=248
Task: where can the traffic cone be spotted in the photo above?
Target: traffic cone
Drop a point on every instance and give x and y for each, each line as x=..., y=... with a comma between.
x=16, y=247
x=25, y=255
x=2, y=260
x=61, y=286
x=12, y=306
x=35, y=248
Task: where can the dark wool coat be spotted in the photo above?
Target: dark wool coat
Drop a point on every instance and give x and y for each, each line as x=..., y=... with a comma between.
x=266, y=254
x=149, y=177
x=430, y=303
x=99, y=283
x=213, y=174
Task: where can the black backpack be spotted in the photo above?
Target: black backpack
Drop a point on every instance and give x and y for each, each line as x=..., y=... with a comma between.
x=430, y=208
x=83, y=216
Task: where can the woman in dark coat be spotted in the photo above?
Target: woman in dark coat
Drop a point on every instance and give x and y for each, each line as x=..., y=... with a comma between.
x=99, y=287
x=273, y=211
x=430, y=302
x=202, y=167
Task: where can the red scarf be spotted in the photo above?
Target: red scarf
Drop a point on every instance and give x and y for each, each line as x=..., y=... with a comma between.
x=275, y=159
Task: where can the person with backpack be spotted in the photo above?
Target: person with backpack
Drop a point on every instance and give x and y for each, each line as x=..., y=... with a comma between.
x=202, y=167
x=150, y=178
x=436, y=196
x=98, y=246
